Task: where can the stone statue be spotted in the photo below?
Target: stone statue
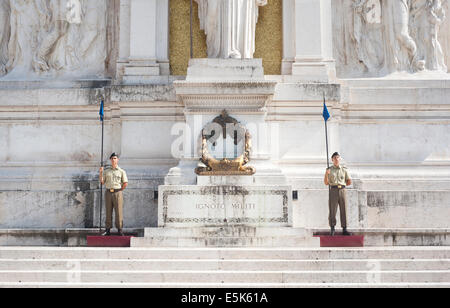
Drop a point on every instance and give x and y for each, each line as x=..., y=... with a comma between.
x=367, y=35
x=59, y=14
x=444, y=35
x=401, y=49
x=90, y=36
x=5, y=12
x=229, y=26
x=358, y=37
x=24, y=29
x=426, y=18
x=53, y=38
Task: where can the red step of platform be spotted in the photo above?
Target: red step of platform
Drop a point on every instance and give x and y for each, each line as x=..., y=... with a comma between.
x=109, y=241
x=341, y=241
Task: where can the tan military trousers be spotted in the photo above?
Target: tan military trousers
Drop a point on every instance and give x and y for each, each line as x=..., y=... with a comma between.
x=338, y=197
x=114, y=201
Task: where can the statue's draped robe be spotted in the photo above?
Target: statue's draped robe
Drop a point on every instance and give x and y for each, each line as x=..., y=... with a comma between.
x=67, y=35
x=399, y=44
x=24, y=30
x=4, y=35
x=229, y=26
x=425, y=23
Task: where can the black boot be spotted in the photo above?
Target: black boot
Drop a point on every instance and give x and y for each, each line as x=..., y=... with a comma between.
x=345, y=232
x=332, y=231
x=107, y=233
x=120, y=232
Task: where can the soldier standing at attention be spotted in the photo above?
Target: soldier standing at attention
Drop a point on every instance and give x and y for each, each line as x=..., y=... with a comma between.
x=115, y=180
x=338, y=178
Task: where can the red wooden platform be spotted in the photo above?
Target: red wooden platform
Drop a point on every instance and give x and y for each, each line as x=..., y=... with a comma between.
x=108, y=241
x=341, y=241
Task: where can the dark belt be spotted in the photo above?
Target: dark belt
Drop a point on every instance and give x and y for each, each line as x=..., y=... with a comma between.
x=338, y=186
x=113, y=190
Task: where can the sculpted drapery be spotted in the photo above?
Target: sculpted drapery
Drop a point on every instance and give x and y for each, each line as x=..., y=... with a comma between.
x=426, y=19
x=401, y=49
x=49, y=38
x=229, y=26
x=4, y=35
x=375, y=38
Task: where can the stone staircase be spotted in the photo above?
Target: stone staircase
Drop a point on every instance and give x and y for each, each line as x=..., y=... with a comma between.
x=225, y=267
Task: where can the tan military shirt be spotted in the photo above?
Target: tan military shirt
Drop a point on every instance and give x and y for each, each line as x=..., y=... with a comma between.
x=338, y=176
x=114, y=178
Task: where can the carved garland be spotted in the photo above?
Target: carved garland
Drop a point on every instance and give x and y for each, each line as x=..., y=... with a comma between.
x=226, y=166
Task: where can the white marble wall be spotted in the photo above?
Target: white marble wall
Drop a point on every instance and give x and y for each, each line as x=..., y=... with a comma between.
x=51, y=149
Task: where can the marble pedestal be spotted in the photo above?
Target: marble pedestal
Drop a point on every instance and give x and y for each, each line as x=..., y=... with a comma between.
x=226, y=211
x=239, y=87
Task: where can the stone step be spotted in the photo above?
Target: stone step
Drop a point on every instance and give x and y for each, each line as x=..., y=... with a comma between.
x=224, y=265
x=372, y=237
x=225, y=253
x=228, y=241
x=228, y=276
x=228, y=231
x=221, y=285
x=399, y=237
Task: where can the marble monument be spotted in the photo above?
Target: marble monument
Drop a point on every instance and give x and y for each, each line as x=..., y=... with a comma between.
x=383, y=66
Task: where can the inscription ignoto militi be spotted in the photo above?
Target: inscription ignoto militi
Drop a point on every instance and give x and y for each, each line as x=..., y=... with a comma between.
x=221, y=206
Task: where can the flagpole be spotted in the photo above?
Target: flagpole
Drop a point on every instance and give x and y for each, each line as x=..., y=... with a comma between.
x=326, y=140
x=326, y=129
x=101, y=164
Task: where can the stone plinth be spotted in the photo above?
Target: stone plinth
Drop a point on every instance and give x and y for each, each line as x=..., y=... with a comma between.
x=237, y=86
x=206, y=205
x=226, y=236
x=216, y=84
x=341, y=241
x=108, y=241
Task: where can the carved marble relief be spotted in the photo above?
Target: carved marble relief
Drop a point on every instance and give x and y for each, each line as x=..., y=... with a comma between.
x=426, y=20
x=444, y=35
x=366, y=34
x=378, y=37
x=53, y=38
x=4, y=35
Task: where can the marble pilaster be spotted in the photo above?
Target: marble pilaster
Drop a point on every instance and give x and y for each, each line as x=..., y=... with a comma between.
x=144, y=44
x=313, y=41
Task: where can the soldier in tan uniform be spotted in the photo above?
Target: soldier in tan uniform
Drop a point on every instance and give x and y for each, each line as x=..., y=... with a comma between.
x=338, y=178
x=115, y=180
